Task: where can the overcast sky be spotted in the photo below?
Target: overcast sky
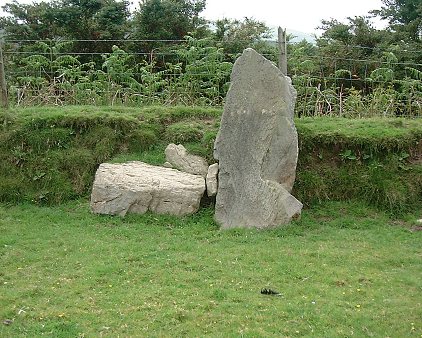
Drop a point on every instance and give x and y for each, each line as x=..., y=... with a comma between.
x=301, y=15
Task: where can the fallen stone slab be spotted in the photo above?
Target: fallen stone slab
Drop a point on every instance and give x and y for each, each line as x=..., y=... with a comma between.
x=257, y=147
x=137, y=187
x=179, y=158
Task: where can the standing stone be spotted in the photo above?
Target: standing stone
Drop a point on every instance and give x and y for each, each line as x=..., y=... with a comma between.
x=211, y=180
x=137, y=187
x=179, y=158
x=257, y=147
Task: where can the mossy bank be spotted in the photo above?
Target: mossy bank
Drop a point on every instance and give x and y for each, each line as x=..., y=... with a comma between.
x=50, y=154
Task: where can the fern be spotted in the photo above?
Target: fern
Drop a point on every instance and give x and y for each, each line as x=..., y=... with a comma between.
x=414, y=73
x=382, y=75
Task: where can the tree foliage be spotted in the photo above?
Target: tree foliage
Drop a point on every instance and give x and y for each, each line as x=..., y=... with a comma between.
x=29, y=21
x=66, y=19
x=404, y=17
x=341, y=43
x=168, y=19
x=165, y=52
x=235, y=35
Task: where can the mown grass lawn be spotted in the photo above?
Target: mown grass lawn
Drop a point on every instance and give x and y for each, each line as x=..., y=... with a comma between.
x=343, y=270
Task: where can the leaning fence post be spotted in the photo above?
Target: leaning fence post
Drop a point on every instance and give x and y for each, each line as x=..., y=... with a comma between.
x=282, y=45
x=3, y=86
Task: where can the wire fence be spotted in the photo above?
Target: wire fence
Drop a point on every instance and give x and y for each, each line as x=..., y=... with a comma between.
x=197, y=72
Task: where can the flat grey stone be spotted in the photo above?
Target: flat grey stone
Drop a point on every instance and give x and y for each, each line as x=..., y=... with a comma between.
x=179, y=158
x=137, y=187
x=257, y=147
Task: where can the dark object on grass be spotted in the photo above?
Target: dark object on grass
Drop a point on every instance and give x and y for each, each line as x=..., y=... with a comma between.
x=7, y=321
x=270, y=292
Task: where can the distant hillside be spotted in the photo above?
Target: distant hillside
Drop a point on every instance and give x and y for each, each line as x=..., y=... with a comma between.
x=297, y=35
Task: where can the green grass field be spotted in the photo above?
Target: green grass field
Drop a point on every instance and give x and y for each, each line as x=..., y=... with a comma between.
x=343, y=270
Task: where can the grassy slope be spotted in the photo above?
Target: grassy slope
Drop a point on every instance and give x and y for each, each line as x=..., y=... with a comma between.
x=49, y=154
x=325, y=128
x=343, y=270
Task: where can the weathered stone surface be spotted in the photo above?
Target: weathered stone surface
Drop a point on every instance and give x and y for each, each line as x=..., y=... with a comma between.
x=257, y=147
x=179, y=158
x=211, y=180
x=138, y=187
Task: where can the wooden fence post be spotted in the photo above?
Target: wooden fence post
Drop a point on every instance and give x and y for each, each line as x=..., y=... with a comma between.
x=282, y=45
x=3, y=86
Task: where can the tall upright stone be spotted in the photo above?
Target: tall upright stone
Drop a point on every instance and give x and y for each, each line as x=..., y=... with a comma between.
x=257, y=147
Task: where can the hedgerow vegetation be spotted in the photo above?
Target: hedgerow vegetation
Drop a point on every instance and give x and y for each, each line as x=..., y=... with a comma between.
x=201, y=77
x=49, y=155
x=165, y=53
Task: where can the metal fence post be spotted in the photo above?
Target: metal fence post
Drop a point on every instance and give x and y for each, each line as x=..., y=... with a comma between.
x=282, y=45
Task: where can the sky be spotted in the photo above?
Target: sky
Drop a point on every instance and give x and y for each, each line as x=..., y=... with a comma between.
x=300, y=15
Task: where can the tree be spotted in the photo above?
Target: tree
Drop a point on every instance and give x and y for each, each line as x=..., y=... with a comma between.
x=93, y=19
x=341, y=43
x=167, y=19
x=404, y=16
x=358, y=31
x=66, y=19
x=29, y=21
x=236, y=35
x=405, y=25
